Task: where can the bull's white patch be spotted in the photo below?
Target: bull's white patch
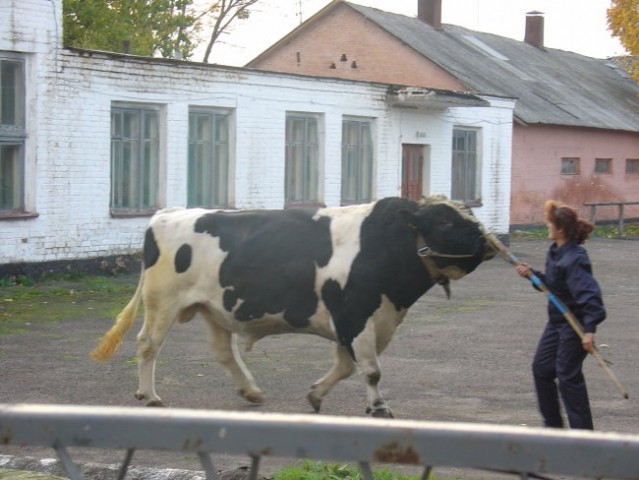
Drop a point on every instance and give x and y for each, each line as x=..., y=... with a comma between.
x=346, y=223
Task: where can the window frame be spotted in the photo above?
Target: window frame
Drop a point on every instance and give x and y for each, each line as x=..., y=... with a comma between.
x=214, y=198
x=145, y=186
x=470, y=193
x=13, y=139
x=306, y=172
x=357, y=158
x=603, y=161
x=632, y=166
x=574, y=162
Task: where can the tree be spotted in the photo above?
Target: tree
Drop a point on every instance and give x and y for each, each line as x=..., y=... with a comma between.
x=623, y=22
x=150, y=27
x=225, y=12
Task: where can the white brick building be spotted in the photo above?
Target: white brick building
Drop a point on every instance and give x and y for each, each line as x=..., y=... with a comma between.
x=92, y=142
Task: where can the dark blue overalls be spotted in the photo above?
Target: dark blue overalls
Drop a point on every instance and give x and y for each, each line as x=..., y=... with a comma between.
x=560, y=355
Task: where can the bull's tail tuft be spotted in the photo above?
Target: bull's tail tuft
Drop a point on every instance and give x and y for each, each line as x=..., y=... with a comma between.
x=112, y=339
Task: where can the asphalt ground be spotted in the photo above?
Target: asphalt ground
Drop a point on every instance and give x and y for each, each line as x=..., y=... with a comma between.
x=466, y=359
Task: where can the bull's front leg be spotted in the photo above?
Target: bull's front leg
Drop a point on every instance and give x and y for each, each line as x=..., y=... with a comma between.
x=342, y=368
x=365, y=348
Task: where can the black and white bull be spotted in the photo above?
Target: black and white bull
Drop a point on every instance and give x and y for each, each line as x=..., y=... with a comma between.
x=348, y=274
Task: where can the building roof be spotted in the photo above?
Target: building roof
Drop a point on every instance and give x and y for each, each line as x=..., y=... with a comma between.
x=551, y=86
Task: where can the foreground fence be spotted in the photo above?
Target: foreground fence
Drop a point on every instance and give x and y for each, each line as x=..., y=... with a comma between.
x=519, y=450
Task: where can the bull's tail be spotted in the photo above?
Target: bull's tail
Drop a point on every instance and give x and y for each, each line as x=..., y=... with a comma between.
x=112, y=339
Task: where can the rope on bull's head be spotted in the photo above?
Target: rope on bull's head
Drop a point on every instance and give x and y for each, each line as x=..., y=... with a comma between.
x=425, y=251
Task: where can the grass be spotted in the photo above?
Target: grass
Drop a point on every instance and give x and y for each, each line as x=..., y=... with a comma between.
x=25, y=303
x=601, y=231
x=309, y=470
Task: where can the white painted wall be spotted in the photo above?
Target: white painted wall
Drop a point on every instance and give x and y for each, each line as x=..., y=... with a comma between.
x=70, y=94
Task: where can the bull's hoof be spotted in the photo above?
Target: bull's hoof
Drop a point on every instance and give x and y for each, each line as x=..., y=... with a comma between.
x=315, y=402
x=150, y=403
x=380, y=412
x=254, y=396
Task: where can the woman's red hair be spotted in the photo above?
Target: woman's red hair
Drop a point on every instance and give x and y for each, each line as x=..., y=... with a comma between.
x=565, y=218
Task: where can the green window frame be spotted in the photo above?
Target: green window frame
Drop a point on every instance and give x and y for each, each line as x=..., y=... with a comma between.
x=12, y=135
x=357, y=161
x=301, y=183
x=135, y=159
x=466, y=171
x=208, y=158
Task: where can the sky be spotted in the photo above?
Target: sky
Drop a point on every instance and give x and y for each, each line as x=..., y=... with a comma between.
x=574, y=25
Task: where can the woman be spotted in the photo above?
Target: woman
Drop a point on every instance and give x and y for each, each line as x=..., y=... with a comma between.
x=560, y=353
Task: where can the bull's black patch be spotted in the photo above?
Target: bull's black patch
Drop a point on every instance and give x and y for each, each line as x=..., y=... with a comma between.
x=183, y=258
x=388, y=264
x=229, y=299
x=151, y=250
x=271, y=263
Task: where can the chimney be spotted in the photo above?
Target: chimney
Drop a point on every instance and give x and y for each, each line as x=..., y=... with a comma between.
x=535, y=29
x=430, y=12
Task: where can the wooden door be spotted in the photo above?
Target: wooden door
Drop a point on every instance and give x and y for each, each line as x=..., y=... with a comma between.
x=412, y=171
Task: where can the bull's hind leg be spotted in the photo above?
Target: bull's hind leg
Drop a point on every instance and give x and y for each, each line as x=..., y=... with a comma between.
x=150, y=340
x=224, y=346
x=342, y=368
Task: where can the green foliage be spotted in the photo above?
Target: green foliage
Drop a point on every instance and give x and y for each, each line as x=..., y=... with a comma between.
x=151, y=27
x=15, y=280
x=309, y=470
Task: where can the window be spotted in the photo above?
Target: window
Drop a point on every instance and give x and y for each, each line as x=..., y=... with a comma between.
x=135, y=159
x=603, y=165
x=570, y=166
x=632, y=165
x=12, y=136
x=302, y=160
x=357, y=161
x=208, y=162
x=466, y=185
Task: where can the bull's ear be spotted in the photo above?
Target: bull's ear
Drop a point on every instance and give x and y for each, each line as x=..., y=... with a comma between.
x=407, y=219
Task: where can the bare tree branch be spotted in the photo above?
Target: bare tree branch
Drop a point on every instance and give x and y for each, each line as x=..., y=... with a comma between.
x=226, y=12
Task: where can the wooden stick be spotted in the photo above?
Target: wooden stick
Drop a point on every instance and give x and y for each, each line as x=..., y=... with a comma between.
x=570, y=318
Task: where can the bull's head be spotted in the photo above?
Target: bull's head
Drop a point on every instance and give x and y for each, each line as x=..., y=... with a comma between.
x=449, y=238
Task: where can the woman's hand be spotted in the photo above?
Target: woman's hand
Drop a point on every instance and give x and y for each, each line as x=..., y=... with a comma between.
x=524, y=270
x=588, y=342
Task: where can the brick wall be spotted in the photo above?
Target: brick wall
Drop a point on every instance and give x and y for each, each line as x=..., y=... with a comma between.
x=378, y=55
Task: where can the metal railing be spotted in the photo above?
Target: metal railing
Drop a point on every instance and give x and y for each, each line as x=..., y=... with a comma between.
x=620, y=212
x=519, y=450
